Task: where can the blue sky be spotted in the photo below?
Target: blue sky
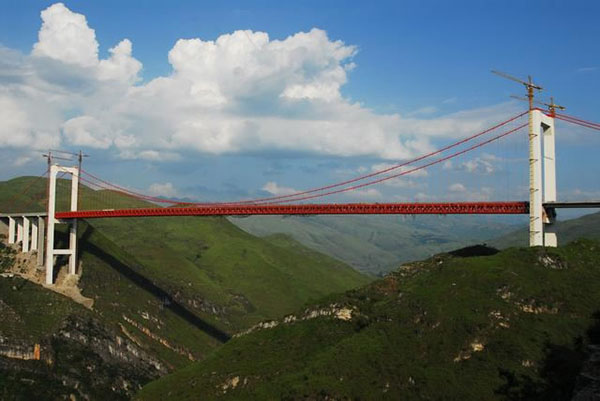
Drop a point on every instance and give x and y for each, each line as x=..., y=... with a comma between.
x=385, y=80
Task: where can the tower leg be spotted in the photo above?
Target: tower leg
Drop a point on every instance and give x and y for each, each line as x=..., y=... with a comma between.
x=19, y=229
x=550, y=238
x=73, y=224
x=536, y=224
x=41, y=237
x=34, y=234
x=26, y=231
x=73, y=247
x=50, y=225
x=11, y=230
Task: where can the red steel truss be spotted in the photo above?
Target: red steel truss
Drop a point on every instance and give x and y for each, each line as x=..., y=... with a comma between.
x=311, y=209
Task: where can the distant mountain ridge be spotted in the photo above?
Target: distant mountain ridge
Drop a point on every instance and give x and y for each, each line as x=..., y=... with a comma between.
x=587, y=226
x=377, y=244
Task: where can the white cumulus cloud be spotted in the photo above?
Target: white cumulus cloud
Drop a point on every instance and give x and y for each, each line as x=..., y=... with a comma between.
x=66, y=36
x=277, y=190
x=163, y=189
x=366, y=194
x=86, y=131
x=243, y=92
x=457, y=187
x=478, y=165
x=121, y=65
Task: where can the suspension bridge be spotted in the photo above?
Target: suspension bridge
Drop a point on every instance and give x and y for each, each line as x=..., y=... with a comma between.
x=35, y=231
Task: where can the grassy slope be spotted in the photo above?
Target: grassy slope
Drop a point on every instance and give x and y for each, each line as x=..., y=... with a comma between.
x=29, y=194
x=31, y=312
x=111, y=277
x=587, y=226
x=408, y=329
x=11, y=199
x=376, y=244
x=192, y=281
x=253, y=278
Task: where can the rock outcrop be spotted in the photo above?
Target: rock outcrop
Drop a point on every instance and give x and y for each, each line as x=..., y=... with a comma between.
x=83, y=360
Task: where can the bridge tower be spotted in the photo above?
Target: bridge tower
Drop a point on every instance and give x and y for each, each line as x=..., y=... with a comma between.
x=542, y=167
x=542, y=179
x=51, y=251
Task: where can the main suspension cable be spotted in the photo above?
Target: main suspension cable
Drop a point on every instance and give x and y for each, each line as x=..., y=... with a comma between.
x=292, y=197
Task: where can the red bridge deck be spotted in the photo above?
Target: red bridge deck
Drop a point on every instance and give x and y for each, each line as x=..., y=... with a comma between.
x=310, y=209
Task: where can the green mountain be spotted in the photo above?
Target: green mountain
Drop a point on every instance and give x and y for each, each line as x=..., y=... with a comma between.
x=503, y=326
x=378, y=244
x=222, y=273
x=81, y=355
x=171, y=289
x=587, y=226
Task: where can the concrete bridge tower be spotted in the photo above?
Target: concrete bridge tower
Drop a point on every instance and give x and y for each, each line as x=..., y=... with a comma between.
x=51, y=251
x=542, y=179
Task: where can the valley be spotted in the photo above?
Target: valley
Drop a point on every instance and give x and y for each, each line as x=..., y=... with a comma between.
x=174, y=307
